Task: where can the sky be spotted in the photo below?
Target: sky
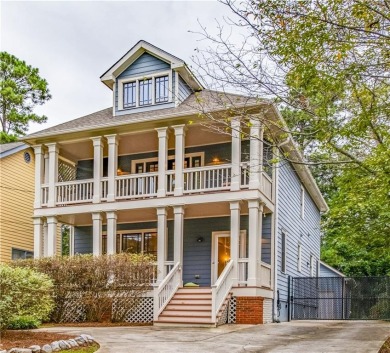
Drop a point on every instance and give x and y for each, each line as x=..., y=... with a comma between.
x=73, y=43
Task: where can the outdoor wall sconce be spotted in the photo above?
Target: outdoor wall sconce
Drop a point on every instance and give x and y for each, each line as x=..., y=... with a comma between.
x=200, y=240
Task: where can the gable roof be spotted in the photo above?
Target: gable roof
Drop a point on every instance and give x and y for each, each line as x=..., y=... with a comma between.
x=330, y=268
x=7, y=149
x=177, y=64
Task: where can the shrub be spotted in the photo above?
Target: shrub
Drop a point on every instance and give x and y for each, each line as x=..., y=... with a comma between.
x=24, y=323
x=23, y=292
x=96, y=282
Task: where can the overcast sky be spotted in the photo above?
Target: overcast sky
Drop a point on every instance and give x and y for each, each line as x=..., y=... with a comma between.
x=74, y=42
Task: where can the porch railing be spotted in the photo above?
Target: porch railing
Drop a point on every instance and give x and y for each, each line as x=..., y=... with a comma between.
x=243, y=271
x=104, y=188
x=221, y=289
x=77, y=191
x=207, y=178
x=166, y=290
x=136, y=185
x=45, y=194
x=170, y=182
x=169, y=266
x=265, y=275
x=267, y=185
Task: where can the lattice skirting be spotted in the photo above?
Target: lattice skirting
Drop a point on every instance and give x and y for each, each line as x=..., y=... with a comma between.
x=73, y=311
x=231, y=319
x=143, y=313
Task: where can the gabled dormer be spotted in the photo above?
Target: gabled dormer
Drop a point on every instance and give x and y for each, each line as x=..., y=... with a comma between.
x=148, y=78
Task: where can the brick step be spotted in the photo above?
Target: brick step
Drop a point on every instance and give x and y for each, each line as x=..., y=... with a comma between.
x=191, y=306
x=188, y=313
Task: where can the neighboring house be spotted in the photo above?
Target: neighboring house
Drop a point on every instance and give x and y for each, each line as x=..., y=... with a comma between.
x=329, y=271
x=146, y=176
x=16, y=201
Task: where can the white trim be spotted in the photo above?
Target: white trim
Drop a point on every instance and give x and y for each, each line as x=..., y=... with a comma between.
x=14, y=150
x=137, y=80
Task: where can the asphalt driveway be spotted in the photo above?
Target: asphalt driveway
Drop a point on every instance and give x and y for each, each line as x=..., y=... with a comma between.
x=293, y=337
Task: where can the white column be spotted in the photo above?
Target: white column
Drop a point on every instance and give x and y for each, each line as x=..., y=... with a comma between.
x=179, y=159
x=97, y=168
x=236, y=155
x=39, y=174
x=234, y=237
x=38, y=237
x=45, y=239
x=46, y=168
x=71, y=240
x=254, y=243
x=111, y=232
x=51, y=236
x=178, y=234
x=53, y=173
x=96, y=233
x=161, y=242
x=162, y=160
x=254, y=154
x=112, y=141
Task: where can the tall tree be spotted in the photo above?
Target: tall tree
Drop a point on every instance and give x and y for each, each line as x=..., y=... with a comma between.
x=327, y=65
x=21, y=89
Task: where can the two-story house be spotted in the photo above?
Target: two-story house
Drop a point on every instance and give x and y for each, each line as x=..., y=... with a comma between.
x=146, y=175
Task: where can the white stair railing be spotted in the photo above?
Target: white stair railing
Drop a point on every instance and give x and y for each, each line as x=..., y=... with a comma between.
x=166, y=290
x=221, y=289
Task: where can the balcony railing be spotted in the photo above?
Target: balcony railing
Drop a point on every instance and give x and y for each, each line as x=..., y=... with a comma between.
x=145, y=185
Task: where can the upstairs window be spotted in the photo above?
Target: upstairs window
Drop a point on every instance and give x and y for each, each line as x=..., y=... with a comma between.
x=161, y=89
x=145, y=92
x=129, y=95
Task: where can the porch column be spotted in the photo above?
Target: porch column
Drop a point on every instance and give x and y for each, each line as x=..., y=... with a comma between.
x=53, y=173
x=254, y=154
x=234, y=237
x=178, y=234
x=111, y=232
x=179, y=159
x=254, y=243
x=46, y=168
x=236, y=155
x=71, y=240
x=112, y=141
x=51, y=236
x=162, y=160
x=97, y=168
x=45, y=239
x=38, y=237
x=39, y=174
x=96, y=233
x=161, y=242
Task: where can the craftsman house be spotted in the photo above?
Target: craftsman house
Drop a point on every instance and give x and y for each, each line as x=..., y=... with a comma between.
x=146, y=175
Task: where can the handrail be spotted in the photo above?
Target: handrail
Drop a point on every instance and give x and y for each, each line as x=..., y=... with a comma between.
x=72, y=182
x=136, y=175
x=166, y=290
x=221, y=289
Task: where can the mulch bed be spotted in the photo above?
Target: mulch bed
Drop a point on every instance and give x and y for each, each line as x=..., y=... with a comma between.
x=385, y=347
x=26, y=338
x=94, y=324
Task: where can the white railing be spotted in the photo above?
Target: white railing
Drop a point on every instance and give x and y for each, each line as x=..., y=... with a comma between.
x=265, y=275
x=76, y=191
x=243, y=271
x=104, y=188
x=244, y=175
x=207, y=178
x=45, y=194
x=136, y=185
x=169, y=266
x=267, y=185
x=166, y=290
x=221, y=289
x=170, y=182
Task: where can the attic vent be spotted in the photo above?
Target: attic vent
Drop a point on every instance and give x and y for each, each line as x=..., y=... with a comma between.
x=27, y=157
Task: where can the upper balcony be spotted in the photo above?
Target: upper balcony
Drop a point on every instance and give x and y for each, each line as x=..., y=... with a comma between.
x=168, y=162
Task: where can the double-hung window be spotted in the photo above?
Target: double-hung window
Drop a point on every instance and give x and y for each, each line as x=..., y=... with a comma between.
x=129, y=94
x=145, y=92
x=161, y=89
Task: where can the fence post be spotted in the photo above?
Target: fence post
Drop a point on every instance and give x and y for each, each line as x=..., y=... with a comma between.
x=289, y=299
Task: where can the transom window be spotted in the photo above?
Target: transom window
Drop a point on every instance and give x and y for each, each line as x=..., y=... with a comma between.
x=161, y=89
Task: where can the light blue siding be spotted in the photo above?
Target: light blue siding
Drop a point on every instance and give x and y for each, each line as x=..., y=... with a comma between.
x=298, y=231
x=184, y=90
x=327, y=272
x=266, y=242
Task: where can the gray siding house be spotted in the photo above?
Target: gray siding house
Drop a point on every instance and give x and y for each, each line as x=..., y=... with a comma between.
x=227, y=226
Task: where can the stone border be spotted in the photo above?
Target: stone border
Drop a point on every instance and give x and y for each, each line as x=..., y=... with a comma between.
x=56, y=346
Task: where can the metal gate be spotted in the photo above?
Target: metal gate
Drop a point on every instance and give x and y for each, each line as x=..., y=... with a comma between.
x=340, y=298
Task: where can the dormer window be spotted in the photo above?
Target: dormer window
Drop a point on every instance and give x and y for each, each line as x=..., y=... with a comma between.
x=144, y=91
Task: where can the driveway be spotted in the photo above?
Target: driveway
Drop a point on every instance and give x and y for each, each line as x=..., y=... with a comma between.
x=293, y=337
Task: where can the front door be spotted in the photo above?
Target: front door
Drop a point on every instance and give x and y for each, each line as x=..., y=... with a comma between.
x=221, y=253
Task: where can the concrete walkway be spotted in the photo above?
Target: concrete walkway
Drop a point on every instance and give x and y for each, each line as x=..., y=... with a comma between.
x=293, y=337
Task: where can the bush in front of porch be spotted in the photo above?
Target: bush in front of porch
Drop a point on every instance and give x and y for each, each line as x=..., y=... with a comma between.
x=95, y=288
